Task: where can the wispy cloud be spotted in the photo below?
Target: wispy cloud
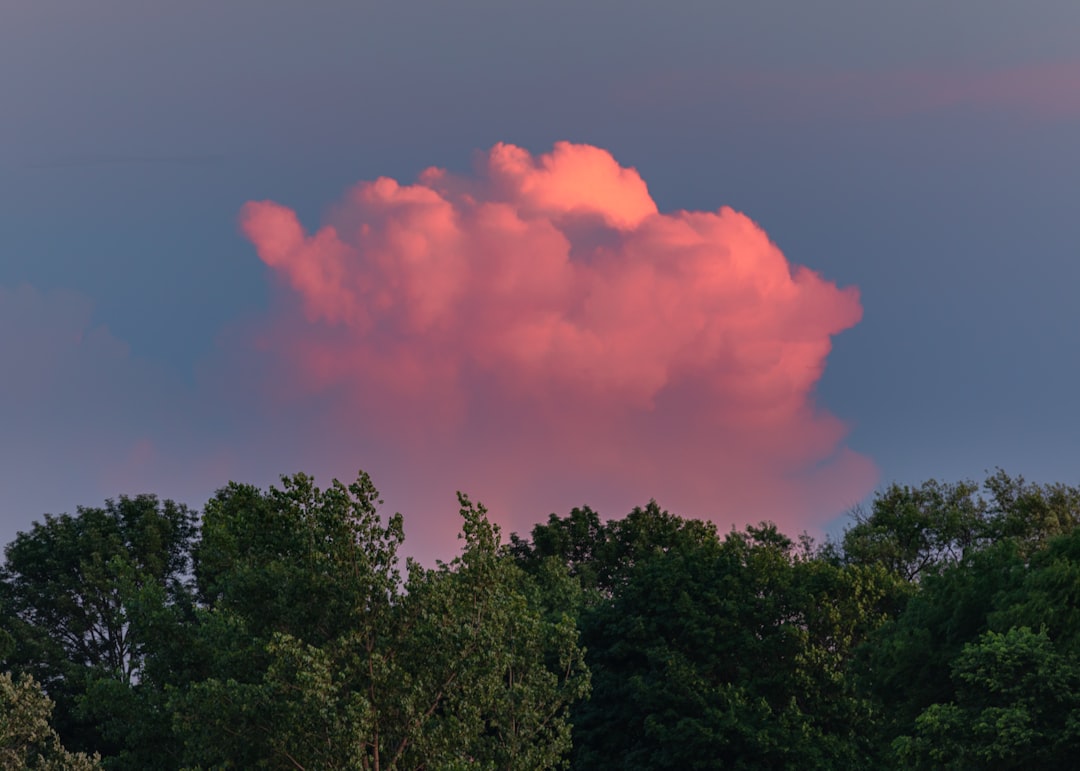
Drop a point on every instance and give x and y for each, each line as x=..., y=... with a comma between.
x=1041, y=91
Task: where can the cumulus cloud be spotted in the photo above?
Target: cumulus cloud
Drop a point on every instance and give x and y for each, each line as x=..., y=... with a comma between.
x=539, y=331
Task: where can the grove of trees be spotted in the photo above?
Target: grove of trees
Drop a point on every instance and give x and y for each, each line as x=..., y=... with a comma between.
x=279, y=630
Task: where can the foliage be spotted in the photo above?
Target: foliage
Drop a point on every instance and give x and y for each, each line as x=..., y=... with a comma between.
x=914, y=531
x=78, y=592
x=962, y=657
x=603, y=555
x=27, y=739
x=318, y=657
x=1029, y=514
x=1017, y=706
x=281, y=633
x=728, y=653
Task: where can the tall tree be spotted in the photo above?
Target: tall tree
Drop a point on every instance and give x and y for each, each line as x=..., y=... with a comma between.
x=290, y=579
x=27, y=738
x=916, y=530
x=319, y=657
x=602, y=555
x=1029, y=513
x=957, y=671
x=1016, y=706
x=77, y=590
x=728, y=654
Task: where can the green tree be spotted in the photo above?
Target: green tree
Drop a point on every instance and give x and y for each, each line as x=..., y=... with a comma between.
x=729, y=654
x=493, y=669
x=916, y=530
x=905, y=667
x=318, y=657
x=1046, y=594
x=1028, y=513
x=918, y=667
x=77, y=591
x=575, y=541
x=603, y=555
x=290, y=579
x=27, y=739
x=1017, y=706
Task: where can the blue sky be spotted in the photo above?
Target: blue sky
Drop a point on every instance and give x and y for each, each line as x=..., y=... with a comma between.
x=923, y=152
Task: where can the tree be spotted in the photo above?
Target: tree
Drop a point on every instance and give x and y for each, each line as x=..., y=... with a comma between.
x=916, y=530
x=27, y=739
x=575, y=541
x=1030, y=514
x=603, y=555
x=728, y=654
x=77, y=590
x=922, y=669
x=493, y=671
x=1046, y=594
x=1017, y=706
x=291, y=580
x=318, y=657
x=905, y=666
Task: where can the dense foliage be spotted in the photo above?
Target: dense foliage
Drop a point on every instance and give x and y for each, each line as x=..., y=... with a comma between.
x=279, y=631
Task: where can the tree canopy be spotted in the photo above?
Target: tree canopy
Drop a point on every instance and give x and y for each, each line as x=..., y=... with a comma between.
x=279, y=629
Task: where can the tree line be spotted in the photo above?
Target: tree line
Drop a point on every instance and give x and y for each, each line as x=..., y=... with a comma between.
x=279, y=630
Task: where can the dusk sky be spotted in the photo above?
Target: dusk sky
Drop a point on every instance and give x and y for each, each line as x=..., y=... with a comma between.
x=754, y=261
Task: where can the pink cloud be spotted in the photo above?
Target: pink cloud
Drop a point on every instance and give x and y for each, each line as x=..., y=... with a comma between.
x=540, y=332
x=1048, y=90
